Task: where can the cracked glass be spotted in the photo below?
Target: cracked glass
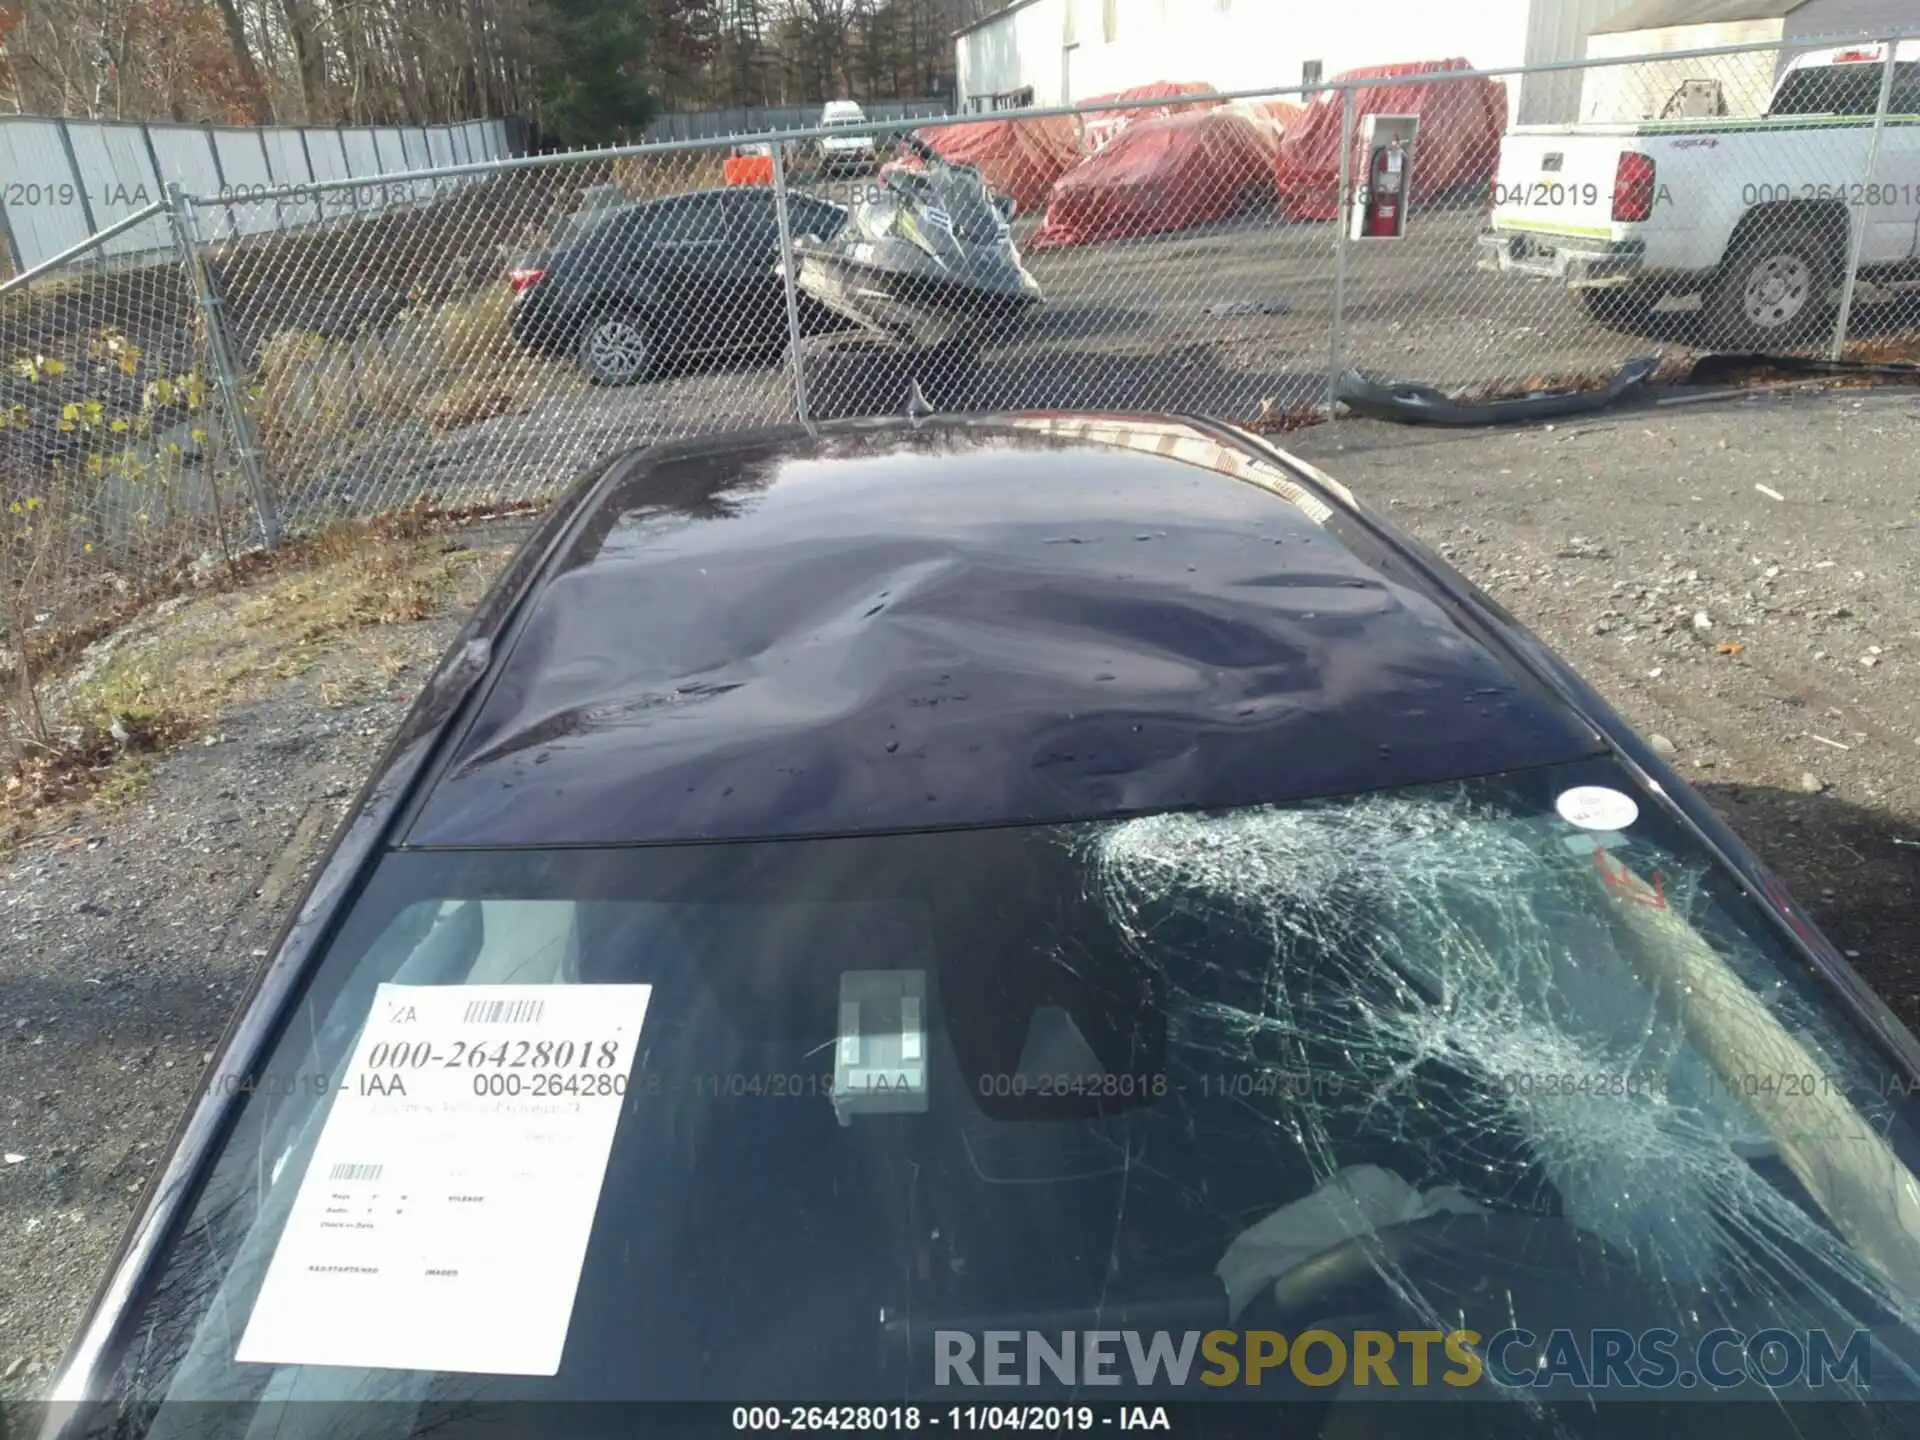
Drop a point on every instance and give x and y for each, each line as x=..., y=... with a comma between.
x=1435, y=1060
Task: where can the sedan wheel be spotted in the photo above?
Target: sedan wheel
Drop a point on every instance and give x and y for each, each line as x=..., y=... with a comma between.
x=616, y=350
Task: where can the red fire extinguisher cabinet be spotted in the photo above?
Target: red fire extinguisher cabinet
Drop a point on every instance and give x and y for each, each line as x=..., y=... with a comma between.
x=1378, y=206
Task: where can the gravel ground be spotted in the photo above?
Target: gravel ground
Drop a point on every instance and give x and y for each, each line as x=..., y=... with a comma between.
x=126, y=939
x=1772, y=640
x=1638, y=544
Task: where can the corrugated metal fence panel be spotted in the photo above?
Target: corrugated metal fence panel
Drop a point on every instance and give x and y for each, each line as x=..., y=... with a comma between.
x=327, y=158
x=40, y=196
x=442, y=154
x=244, y=173
x=185, y=153
x=52, y=198
x=287, y=157
x=287, y=162
x=327, y=155
x=393, y=161
x=414, y=141
x=118, y=172
x=393, y=151
x=362, y=157
x=243, y=160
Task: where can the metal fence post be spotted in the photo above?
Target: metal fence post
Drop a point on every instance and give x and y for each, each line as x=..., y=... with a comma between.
x=1857, y=230
x=79, y=179
x=12, y=241
x=1337, y=339
x=789, y=278
x=220, y=358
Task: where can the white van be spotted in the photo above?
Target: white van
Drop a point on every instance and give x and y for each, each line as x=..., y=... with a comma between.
x=840, y=154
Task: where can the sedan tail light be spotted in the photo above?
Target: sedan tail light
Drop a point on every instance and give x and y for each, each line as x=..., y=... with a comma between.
x=523, y=278
x=1633, y=187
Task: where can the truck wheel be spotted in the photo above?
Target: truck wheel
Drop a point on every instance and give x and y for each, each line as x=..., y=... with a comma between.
x=1772, y=292
x=616, y=348
x=1617, y=307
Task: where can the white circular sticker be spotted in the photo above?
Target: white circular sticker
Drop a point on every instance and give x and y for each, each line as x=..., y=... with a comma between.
x=1595, y=807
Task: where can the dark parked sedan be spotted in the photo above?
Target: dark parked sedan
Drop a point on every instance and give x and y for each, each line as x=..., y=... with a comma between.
x=635, y=286
x=904, y=920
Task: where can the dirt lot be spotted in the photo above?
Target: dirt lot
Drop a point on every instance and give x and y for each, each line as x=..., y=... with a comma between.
x=127, y=935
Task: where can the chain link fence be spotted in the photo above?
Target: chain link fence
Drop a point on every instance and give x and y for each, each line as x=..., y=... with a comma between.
x=495, y=328
x=118, y=469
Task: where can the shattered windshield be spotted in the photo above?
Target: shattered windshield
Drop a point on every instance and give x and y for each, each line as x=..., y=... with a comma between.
x=1498, y=1081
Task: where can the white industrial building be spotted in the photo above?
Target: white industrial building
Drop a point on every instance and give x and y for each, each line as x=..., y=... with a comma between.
x=1723, y=84
x=1056, y=52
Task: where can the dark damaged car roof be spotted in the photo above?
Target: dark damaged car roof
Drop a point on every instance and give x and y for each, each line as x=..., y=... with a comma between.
x=886, y=626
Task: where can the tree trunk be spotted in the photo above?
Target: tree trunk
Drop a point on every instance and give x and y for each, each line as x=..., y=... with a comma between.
x=243, y=60
x=309, y=58
x=482, y=96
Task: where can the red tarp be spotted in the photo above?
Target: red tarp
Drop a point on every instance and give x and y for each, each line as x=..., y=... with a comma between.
x=1458, y=145
x=1161, y=175
x=1021, y=158
x=1283, y=113
x=1099, y=127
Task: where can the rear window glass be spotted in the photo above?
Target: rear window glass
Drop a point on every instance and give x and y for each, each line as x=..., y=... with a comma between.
x=1852, y=89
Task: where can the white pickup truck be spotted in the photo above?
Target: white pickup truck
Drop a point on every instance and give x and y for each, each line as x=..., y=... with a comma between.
x=1750, y=217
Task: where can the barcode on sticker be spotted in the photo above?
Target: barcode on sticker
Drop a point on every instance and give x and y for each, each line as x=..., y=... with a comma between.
x=503, y=1012
x=355, y=1172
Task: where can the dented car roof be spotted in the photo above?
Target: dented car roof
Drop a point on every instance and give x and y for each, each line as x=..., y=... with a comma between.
x=883, y=626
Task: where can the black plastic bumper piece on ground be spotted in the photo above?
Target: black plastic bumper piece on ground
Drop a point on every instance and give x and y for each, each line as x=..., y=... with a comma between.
x=1408, y=404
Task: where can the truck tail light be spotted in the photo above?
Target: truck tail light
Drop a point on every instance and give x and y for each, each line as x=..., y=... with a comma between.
x=523, y=278
x=1633, y=187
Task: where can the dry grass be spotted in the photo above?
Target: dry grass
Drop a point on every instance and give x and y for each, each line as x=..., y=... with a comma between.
x=169, y=674
x=646, y=176
x=469, y=401
x=445, y=365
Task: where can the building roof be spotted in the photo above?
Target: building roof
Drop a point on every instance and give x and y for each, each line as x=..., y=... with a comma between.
x=1665, y=14
x=885, y=627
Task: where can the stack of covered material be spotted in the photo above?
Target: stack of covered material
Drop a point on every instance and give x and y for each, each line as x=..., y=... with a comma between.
x=1100, y=128
x=1021, y=158
x=1161, y=175
x=1457, y=148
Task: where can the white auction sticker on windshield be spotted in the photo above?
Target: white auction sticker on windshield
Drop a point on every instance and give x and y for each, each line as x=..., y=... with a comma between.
x=1595, y=807
x=443, y=1220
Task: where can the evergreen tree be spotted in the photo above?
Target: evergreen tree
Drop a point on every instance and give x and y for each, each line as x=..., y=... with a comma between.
x=593, y=77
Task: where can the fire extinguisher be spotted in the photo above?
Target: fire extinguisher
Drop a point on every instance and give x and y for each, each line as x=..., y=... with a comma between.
x=1383, y=192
